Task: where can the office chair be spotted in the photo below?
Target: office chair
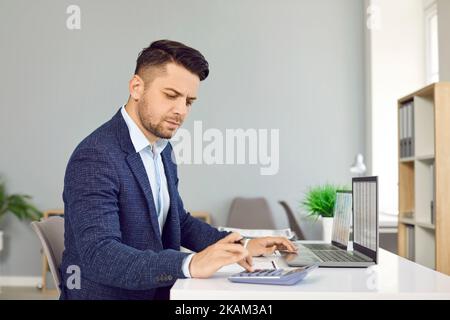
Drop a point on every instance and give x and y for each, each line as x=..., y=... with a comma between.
x=250, y=213
x=51, y=234
x=293, y=224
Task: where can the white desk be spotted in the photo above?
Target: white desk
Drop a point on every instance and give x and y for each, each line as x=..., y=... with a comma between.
x=393, y=278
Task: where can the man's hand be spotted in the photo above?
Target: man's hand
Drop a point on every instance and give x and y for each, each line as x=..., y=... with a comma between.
x=267, y=245
x=225, y=251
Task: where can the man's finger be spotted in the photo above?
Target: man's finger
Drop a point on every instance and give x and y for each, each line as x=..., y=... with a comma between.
x=280, y=241
x=231, y=258
x=270, y=250
x=244, y=263
x=232, y=248
x=231, y=238
x=249, y=259
x=287, y=248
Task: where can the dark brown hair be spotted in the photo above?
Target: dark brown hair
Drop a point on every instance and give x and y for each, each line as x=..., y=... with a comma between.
x=161, y=52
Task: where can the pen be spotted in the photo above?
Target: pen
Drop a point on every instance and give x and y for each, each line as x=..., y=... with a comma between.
x=274, y=265
x=242, y=241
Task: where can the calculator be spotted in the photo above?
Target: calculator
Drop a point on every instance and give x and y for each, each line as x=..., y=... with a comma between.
x=273, y=276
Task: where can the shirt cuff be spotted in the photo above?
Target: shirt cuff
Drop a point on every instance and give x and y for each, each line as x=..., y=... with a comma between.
x=185, y=266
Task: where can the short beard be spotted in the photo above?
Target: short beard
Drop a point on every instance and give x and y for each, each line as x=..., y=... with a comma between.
x=155, y=129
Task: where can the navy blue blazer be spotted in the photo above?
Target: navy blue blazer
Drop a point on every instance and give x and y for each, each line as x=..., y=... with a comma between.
x=111, y=226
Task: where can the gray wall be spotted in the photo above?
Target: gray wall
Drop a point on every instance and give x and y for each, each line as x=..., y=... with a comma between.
x=297, y=66
x=444, y=34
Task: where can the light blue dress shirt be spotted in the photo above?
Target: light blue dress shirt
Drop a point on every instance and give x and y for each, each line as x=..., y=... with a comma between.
x=154, y=167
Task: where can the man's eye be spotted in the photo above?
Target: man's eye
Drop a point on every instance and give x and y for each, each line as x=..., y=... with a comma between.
x=170, y=96
x=189, y=103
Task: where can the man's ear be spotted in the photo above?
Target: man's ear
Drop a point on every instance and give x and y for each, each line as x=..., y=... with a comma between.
x=136, y=87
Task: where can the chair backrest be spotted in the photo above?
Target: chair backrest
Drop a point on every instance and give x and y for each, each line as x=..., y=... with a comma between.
x=51, y=234
x=250, y=213
x=293, y=224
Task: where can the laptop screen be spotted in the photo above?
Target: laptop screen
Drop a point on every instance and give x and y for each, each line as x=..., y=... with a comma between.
x=365, y=216
x=342, y=218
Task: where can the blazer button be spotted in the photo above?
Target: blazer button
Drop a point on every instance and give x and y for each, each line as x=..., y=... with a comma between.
x=170, y=277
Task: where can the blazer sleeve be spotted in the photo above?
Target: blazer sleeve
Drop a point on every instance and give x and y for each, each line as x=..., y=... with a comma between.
x=91, y=187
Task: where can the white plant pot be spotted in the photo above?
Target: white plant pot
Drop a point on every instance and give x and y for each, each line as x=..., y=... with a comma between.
x=327, y=229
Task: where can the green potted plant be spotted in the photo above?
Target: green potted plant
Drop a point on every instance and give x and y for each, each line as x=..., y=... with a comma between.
x=319, y=204
x=17, y=204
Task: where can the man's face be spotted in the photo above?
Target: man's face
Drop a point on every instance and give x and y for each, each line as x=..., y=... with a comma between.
x=167, y=100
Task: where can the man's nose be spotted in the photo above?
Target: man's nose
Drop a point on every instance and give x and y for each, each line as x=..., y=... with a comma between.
x=180, y=108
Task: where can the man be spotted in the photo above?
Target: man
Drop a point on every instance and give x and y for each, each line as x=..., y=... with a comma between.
x=124, y=219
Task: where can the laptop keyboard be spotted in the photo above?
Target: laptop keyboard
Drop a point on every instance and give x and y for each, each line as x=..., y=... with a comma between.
x=338, y=255
x=317, y=246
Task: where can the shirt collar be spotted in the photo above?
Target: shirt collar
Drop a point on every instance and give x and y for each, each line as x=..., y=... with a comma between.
x=138, y=138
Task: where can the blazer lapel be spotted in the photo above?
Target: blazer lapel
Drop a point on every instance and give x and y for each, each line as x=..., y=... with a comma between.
x=137, y=167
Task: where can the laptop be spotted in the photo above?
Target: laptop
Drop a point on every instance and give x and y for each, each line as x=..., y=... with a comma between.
x=364, y=200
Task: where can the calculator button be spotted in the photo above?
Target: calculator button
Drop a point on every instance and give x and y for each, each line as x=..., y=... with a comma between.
x=270, y=276
x=278, y=272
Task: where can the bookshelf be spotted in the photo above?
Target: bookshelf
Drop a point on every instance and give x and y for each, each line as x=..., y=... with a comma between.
x=424, y=177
